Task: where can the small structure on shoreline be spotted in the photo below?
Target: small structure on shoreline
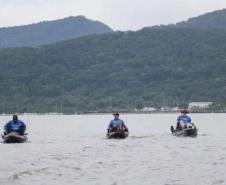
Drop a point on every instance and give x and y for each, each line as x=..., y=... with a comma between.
x=199, y=105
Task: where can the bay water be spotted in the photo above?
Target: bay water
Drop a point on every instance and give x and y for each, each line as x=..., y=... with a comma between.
x=73, y=149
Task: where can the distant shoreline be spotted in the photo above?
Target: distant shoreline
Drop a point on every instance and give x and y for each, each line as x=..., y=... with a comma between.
x=122, y=112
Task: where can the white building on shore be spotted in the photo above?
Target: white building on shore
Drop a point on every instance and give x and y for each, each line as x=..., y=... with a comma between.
x=148, y=109
x=199, y=105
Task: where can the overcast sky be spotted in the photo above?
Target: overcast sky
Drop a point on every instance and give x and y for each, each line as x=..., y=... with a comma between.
x=118, y=14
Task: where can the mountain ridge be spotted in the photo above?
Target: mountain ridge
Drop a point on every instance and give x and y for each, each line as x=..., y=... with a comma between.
x=211, y=20
x=150, y=67
x=154, y=66
x=49, y=32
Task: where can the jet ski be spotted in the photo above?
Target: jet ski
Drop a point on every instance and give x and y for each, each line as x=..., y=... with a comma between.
x=189, y=131
x=118, y=134
x=14, y=137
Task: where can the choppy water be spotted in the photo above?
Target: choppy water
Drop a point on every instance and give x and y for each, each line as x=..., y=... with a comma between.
x=73, y=150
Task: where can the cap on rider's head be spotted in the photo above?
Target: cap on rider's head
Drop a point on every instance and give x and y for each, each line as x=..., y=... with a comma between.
x=184, y=111
x=116, y=114
x=15, y=117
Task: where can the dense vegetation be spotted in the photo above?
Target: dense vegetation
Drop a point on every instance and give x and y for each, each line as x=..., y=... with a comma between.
x=151, y=67
x=213, y=20
x=49, y=32
x=122, y=70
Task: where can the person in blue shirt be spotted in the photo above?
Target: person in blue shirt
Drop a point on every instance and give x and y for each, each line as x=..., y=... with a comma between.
x=15, y=125
x=117, y=124
x=184, y=121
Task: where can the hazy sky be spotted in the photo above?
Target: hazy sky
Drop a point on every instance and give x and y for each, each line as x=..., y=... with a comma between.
x=118, y=14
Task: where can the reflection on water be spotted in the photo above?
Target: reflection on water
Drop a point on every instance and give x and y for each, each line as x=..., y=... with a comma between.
x=74, y=150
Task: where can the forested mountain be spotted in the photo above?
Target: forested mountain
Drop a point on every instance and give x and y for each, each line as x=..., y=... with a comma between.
x=120, y=70
x=49, y=32
x=213, y=20
x=150, y=67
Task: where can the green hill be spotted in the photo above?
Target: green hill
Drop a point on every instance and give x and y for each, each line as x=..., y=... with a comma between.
x=49, y=32
x=126, y=70
x=121, y=70
x=212, y=20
